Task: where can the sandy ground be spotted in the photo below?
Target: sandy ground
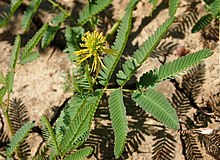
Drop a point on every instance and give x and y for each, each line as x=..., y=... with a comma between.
x=40, y=84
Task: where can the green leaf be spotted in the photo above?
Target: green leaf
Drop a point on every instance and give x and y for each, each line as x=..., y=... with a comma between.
x=119, y=121
x=215, y=8
x=202, y=22
x=49, y=135
x=49, y=35
x=15, y=52
x=14, y=5
x=5, y=16
x=68, y=114
x=29, y=13
x=80, y=154
x=158, y=106
x=32, y=43
x=18, y=138
x=172, y=69
x=2, y=78
x=9, y=81
x=147, y=80
x=110, y=61
x=30, y=57
x=132, y=64
x=173, y=5
x=2, y=92
x=91, y=9
x=81, y=122
x=73, y=37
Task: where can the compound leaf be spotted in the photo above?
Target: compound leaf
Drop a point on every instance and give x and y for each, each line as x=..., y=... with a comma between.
x=215, y=8
x=202, y=22
x=29, y=13
x=131, y=65
x=9, y=81
x=49, y=135
x=15, y=52
x=30, y=57
x=174, y=68
x=80, y=154
x=18, y=137
x=31, y=44
x=110, y=61
x=158, y=106
x=92, y=9
x=173, y=5
x=119, y=120
x=49, y=35
x=81, y=123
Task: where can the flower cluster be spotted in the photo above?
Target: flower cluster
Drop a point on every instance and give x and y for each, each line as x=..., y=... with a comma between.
x=94, y=45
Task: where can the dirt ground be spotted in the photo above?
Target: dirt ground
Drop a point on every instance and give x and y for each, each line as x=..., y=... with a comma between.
x=40, y=84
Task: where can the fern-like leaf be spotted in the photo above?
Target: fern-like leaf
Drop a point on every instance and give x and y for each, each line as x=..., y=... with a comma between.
x=69, y=113
x=49, y=35
x=14, y=5
x=175, y=68
x=10, y=81
x=29, y=13
x=119, y=120
x=52, y=30
x=171, y=69
x=173, y=5
x=80, y=154
x=5, y=17
x=92, y=9
x=111, y=61
x=202, y=22
x=49, y=135
x=15, y=52
x=156, y=104
x=164, y=146
x=81, y=122
x=131, y=65
x=215, y=8
x=27, y=54
x=18, y=138
x=30, y=57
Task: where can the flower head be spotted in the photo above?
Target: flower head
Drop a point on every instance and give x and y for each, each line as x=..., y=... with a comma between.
x=94, y=45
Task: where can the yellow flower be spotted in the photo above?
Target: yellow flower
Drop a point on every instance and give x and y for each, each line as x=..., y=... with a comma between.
x=94, y=45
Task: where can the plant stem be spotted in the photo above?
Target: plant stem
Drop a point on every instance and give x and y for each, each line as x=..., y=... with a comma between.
x=8, y=121
x=59, y=7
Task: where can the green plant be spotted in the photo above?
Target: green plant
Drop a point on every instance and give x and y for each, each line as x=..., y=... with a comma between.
x=92, y=75
x=213, y=9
